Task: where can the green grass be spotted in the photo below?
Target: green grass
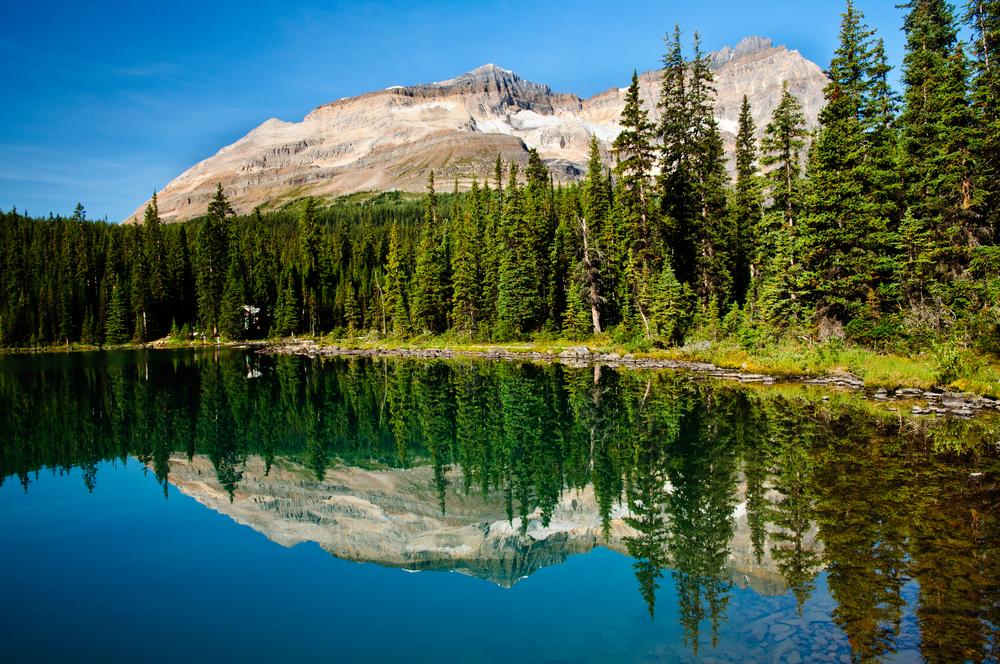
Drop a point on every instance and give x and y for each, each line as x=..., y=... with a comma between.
x=953, y=369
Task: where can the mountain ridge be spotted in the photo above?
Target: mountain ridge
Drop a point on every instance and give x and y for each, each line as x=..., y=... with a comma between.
x=389, y=139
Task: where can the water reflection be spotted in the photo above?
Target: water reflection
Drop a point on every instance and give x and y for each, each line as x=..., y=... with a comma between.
x=498, y=470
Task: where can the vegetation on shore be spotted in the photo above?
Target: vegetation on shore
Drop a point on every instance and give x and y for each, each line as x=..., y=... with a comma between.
x=943, y=367
x=868, y=246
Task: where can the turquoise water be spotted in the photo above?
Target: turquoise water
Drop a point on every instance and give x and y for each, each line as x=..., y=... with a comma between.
x=220, y=505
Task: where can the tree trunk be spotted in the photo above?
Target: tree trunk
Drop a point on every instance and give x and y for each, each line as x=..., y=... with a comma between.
x=593, y=295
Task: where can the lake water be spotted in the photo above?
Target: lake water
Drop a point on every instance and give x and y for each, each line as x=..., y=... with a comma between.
x=221, y=505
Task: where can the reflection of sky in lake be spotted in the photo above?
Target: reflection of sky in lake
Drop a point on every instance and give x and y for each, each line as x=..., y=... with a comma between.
x=123, y=573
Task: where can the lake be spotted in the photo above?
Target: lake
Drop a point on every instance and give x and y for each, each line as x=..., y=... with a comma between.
x=217, y=504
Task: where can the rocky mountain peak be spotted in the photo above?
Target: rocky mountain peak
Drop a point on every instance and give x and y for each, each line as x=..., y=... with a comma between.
x=502, y=85
x=487, y=72
x=490, y=70
x=390, y=139
x=746, y=46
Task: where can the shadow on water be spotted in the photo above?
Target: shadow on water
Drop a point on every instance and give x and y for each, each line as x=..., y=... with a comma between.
x=501, y=469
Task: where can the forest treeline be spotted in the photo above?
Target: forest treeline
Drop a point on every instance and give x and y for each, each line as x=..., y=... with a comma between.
x=810, y=473
x=880, y=227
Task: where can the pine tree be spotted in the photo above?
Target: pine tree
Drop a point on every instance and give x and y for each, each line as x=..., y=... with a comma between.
x=286, y=311
x=634, y=153
x=776, y=251
x=396, y=279
x=430, y=278
x=882, y=135
x=518, y=298
x=116, y=327
x=139, y=295
x=845, y=244
x=213, y=261
x=677, y=177
x=156, y=265
x=349, y=306
x=715, y=239
x=66, y=288
x=589, y=272
x=219, y=207
x=693, y=174
x=781, y=151
x=179, y=278
x=746, y=205
x=669, y=307
x=936, y=155
x=540, y=222
x=466, y=274
x=564, y=255
x=577, y=322
x=232, y=318
x=309, y=264
x=983, y=16
x=493, y=244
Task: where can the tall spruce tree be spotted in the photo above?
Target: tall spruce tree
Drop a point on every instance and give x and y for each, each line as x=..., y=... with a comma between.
x=232, y=318
x=286, y=310
x=693, y=173
x=634, y=152
x=139, y=292
x=430, y=298
x=937, y=162
x=310, y=265
x=156, y=266
x=745, y=204
x=180, y=279
x=713, y=279
x=465, y=267
x=589, y=275
x=518, y=300
x=777, y=251
x=213, y=262
x=396, y=280
x=493, y=244
x=116, y=327
x=677, y=178
x=983, y=16
x=540, y=222
x=846, y=249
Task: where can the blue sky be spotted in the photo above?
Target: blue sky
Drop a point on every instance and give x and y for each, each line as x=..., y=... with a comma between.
x=103, y=102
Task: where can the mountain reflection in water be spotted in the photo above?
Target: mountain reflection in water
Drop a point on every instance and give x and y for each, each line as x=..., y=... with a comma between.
x=498, y=470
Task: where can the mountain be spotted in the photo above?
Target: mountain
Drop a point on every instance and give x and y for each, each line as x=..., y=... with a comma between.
x=394, y=518
x=390, y=139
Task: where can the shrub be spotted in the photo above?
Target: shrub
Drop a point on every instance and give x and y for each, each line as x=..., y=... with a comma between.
x=947, y=362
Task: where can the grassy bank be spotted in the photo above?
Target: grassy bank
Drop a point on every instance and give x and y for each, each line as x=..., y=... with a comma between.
x=945, y=367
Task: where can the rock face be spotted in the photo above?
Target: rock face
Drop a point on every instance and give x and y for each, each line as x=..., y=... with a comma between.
x=394, y=518
x=390, y=139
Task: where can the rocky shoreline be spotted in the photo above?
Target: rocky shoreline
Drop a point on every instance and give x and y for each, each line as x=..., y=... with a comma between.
x=932, y=402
